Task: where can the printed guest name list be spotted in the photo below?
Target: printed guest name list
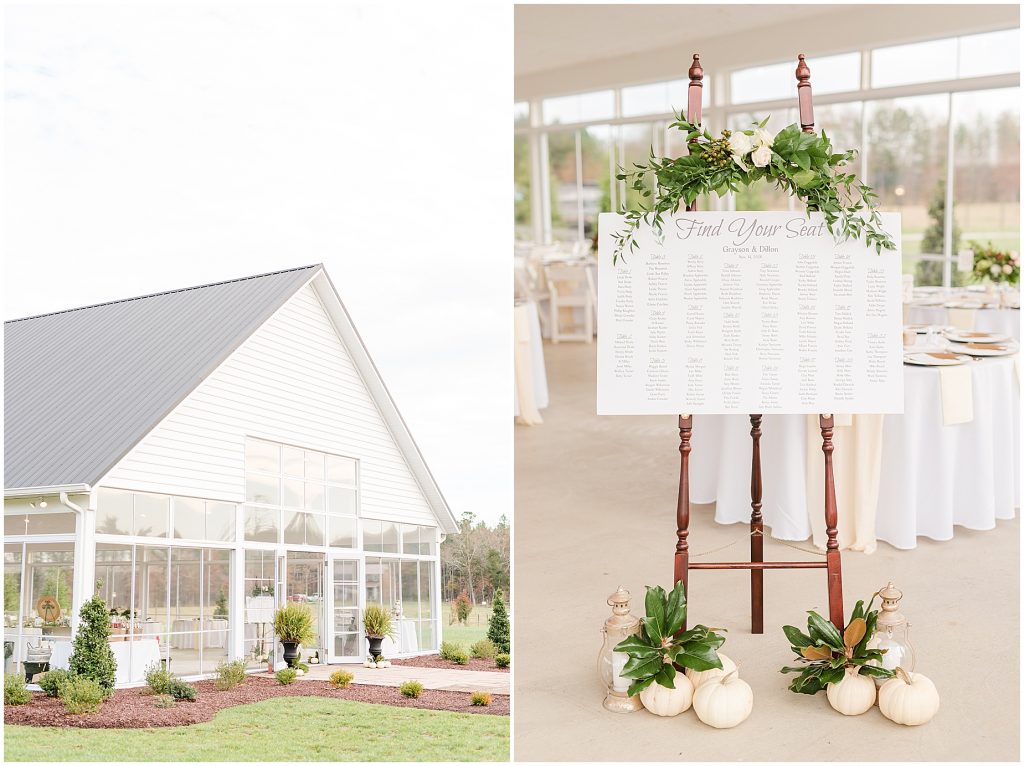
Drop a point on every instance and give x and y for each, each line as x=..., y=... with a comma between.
x=753, y=312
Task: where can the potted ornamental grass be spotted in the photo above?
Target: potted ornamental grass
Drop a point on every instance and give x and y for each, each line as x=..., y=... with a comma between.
x=378, y=626
x=293, y=624
x=840, y=663
x=659, y=653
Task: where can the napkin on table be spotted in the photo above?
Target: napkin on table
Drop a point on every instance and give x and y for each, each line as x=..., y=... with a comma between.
x=957, y=394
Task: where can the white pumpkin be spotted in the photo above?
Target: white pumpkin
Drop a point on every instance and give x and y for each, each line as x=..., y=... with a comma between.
x=910, y=699
x=854, y=695
x=668, y=702
x=723, y=701
x=369, y=664
x=384, y=664
x=697, y=677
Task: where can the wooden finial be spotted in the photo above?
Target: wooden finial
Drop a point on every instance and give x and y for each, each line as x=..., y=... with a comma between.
x=696, y=70
x=803, y=72
x=803, y=95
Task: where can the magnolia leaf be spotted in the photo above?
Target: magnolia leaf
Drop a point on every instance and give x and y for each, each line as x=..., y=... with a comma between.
x=854, y=632
x=675, y=610
x=796, y=637
x=833, y=676
x=877, y=672
x=635, y=645
x=666, y=675
x=698, y=655
x=816, y=652
x=638, y=686
x=641, y=667
x=654, y=622
x=821, y=629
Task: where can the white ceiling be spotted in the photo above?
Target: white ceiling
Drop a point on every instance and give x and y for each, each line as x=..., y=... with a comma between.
x=555, y=36
x=563, y=49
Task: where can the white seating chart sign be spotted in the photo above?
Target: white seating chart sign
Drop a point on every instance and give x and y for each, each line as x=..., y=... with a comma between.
x=748, y=312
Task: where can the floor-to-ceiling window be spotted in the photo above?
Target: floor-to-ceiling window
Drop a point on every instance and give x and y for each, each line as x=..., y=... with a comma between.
x=925, y=115
x=39, y=579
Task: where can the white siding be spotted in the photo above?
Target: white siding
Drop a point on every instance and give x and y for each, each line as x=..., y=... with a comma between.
x=293, y=381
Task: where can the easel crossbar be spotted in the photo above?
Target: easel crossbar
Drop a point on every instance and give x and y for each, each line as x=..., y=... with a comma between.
x=760, y=565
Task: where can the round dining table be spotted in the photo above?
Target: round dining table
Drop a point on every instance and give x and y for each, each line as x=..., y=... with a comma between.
x=931, y=478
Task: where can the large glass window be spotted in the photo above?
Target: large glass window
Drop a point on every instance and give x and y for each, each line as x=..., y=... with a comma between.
x=38, y=600
x=903, y=141
x=906, y=166
x=405, y=587
x=829, y=74
x=147, y=515
x=260, y=578
x=171, y=603
x=290, y=489
x=580, y=107
x=986, y=156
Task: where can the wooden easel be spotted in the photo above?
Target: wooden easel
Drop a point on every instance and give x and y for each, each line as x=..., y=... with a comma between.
x=757, y=564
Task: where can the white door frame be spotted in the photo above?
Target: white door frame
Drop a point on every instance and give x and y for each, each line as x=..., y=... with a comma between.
x=359, y=561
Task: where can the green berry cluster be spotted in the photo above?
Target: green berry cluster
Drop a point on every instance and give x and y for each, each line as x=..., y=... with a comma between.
x=717, y=153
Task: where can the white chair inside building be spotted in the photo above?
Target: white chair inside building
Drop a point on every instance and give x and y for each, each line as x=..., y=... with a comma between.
x=571, y=299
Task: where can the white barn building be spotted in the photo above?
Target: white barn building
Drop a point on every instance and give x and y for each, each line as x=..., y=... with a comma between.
x=206, y=454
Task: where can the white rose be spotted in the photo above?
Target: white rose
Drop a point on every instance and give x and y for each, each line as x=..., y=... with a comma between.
x=995, y=270
x=739, y=144
x=762, y=155
x=763, y=137
x=1007, y=269
x=1015, y=256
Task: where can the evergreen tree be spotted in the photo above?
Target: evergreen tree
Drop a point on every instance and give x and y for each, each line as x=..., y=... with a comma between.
x=497, y=627
x=933, y=242
x=92, y=656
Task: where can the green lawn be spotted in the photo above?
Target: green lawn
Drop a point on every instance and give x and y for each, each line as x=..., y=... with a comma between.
x=473, y=631
x=282, y=729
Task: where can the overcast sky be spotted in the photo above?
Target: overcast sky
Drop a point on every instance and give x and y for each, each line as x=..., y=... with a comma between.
x=149, y=147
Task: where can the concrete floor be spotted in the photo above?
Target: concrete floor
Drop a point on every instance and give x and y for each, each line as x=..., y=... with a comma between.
x=595, y=508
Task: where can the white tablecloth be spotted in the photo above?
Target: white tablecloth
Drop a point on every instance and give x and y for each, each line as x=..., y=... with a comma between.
x=539, y=375
x=933, y=476
x=132, y=658
x=1006, y=321
x=407, y=640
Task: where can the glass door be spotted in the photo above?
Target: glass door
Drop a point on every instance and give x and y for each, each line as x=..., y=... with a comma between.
x=305, y=574
x=346, y=644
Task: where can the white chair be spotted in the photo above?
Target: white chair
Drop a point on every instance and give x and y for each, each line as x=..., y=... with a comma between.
x=570, y=287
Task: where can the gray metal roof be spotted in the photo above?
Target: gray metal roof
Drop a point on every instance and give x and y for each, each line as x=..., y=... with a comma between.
x=83, y=386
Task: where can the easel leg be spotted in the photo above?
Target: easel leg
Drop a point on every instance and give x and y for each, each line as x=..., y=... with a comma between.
x=756, y=529
x=682, y=558
x=834, y=565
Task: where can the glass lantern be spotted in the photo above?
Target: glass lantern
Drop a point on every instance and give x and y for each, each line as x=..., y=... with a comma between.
x=893, y=632
x=618, y=627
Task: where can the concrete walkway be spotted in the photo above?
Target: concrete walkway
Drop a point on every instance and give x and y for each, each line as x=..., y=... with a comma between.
x=431, y=678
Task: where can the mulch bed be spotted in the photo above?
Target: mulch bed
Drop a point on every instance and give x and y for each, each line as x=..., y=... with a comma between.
x=436, y=661
x=135, y=708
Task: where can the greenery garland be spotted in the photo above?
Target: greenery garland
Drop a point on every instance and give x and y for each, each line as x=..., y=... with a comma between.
x=800, y=164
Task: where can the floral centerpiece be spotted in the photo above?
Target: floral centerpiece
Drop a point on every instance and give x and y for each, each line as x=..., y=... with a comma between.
x=801, y=164
x=991, y=265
